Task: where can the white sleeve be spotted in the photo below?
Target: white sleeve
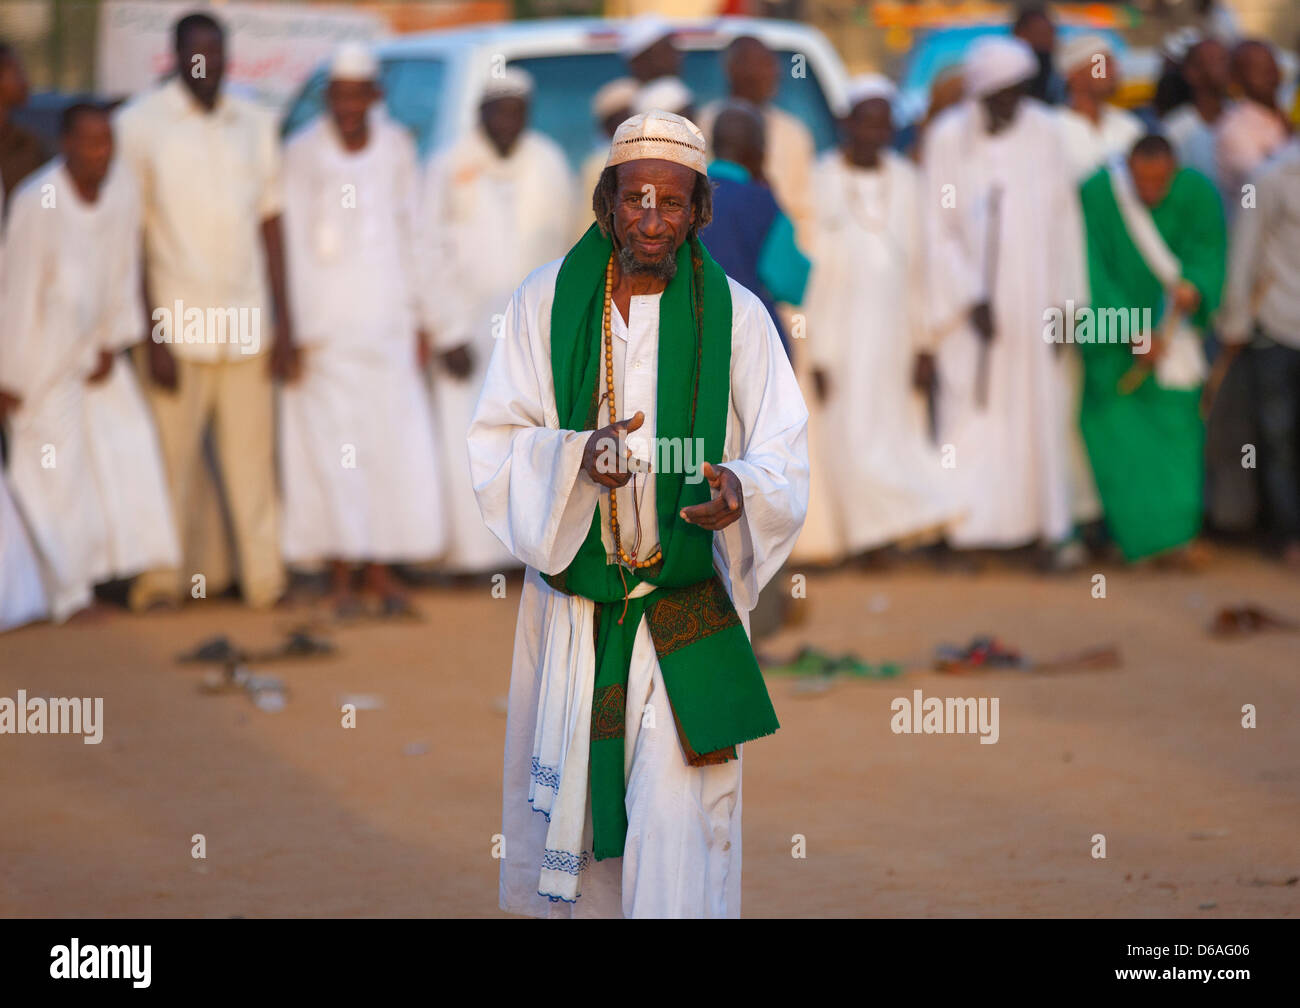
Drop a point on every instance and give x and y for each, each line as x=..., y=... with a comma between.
x=767, y=448
x=25, y=276
x=527, y=473
x=442, y=311
x=954, y=282
x=122, y=324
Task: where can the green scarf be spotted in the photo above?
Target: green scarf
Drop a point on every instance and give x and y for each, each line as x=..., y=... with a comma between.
x=714, y=685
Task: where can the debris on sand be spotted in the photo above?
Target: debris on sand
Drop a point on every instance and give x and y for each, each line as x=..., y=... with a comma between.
x=1245, y=620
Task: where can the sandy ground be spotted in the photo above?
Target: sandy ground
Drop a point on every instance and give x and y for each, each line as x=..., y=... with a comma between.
x=395, y=817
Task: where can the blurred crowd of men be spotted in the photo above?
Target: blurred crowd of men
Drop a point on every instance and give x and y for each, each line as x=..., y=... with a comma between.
x=222, y=358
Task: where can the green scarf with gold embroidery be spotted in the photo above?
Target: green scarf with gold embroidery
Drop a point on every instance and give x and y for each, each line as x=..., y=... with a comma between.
x=714, y=685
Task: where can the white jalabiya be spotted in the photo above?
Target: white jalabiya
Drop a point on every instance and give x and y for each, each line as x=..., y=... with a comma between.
x=84, y=460
x=1193, y=140
x=1009, y=461
x=866, y=323
x=357, y=444
x=1090, y=145
x=490, y=220
x=683, y=853
x=22, y=596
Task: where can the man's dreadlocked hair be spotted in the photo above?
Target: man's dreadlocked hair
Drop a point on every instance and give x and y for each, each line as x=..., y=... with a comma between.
x=602, y=202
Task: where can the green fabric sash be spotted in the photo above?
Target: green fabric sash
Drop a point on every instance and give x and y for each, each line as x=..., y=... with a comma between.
x=714, y=685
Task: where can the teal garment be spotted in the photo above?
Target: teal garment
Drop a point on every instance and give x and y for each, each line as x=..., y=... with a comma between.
x=782, y=268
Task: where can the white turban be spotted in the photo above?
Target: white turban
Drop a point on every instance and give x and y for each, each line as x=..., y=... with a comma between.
x=1080, y=50
x=620, y=93
x=994, y=62
x=664, y=93
x=641, y=33
x=512, y=83
x=353, y=61
x=867, y=86
x=659, y=135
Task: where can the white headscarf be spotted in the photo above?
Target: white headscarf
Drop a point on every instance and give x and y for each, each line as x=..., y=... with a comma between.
x=994, y=62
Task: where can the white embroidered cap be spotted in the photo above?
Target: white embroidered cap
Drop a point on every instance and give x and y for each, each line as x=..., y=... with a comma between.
x=664, y=93
x=867, y=86
x=1079, y=50
x=512, y=82
x=353, y=61
x=641, y=33
x=659, y=135
x=620, y=93
x=994, y=62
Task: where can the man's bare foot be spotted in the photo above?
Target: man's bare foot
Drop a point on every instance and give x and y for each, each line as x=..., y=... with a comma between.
x=378, y=581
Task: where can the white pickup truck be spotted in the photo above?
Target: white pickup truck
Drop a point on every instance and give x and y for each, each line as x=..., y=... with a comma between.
x=432, y=80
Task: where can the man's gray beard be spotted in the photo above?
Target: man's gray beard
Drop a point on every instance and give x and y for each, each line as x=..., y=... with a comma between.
x=663, y=269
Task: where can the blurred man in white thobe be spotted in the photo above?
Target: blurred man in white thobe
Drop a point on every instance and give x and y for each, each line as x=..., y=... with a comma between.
x=1004, y=240
x=754, y=75
x=497, y=205
x=357, y=447
x=1093, y=129
x=84, y=458
x=867, y=336
x=611, y=104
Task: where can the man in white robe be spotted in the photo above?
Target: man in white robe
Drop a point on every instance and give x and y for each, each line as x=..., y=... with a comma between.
x=545, y=489
x=1004, y=241
x=357, y=446
x=22, y=595
x=611, y=104
x=1092, y=129
x=866, y=331
x=754, y=75
x=496, y=206
x=1094, y=132
x=84, y=464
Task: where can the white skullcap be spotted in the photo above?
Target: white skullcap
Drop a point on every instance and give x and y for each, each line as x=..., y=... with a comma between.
x=660, y=135
x=994, y=62
x=353, y=61
x=867, y=86
x=664, y=93
x=620, y=93
x=511, y=83
x=1078, y=51
x=1178, y=43
x=641, y=33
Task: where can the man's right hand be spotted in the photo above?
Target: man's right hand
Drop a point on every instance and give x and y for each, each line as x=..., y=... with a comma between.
x=821, y=384
x=9, y=403
x=162, y=365
x=924, y=372
x=458, y=361
x=603, y=458
x=981, y=317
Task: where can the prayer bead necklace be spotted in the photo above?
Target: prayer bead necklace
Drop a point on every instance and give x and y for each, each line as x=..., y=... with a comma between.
x=629, y=561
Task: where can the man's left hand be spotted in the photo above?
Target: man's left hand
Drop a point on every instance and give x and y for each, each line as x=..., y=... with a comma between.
x=726, y=506
x=286, y=361
x=102, y=367
x=1186, y=298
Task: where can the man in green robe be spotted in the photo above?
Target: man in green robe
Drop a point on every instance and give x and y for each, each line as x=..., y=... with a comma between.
x=1156, y=256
